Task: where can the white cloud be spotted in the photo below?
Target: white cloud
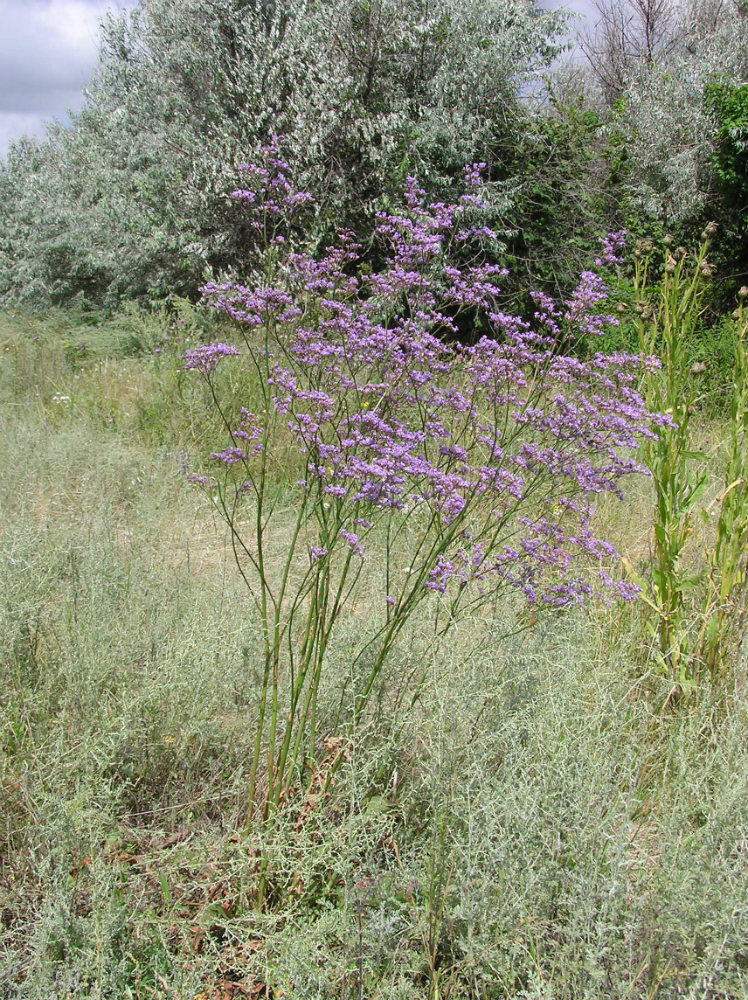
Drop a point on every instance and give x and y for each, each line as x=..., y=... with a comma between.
x=12, y=126
x=74, y=23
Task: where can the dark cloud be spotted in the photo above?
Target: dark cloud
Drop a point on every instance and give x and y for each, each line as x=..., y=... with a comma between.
x=47, y=51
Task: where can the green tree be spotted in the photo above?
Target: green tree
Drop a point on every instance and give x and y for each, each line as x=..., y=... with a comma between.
x=672, y=100
x=560, y=192
x=729, y=104
x=132, y=199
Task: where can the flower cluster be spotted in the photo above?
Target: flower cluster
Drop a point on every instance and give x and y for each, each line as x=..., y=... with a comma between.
x=612, y=248
x=580, y=307
x=205, y=358
x=269, y=189
x=494, y=451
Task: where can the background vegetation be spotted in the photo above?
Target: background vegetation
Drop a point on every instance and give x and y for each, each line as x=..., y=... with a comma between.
x=131, y=201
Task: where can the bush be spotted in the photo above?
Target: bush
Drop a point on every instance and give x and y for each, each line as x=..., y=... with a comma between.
x=482, y=459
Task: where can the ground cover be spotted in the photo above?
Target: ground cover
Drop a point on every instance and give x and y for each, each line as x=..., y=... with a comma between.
x=541, y=822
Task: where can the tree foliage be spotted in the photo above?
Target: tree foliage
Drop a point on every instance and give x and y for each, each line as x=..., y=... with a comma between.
x=670, y=77
x=628, y=36
x=132, y=199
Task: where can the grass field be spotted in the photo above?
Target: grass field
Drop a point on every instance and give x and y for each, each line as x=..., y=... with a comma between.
x=516, y=816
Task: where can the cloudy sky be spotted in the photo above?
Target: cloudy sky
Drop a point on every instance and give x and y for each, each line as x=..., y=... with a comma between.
x=47, y=51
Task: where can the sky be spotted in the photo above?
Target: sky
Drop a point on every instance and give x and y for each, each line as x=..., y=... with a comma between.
x=48, y=49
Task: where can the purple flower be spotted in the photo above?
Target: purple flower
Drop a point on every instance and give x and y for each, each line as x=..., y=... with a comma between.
x=473, y=174
x=590, y=291
x=268, y=188
x=494, y=450
x=229, y=456
x=205, y=358
x=353, y=540
x=613, y=246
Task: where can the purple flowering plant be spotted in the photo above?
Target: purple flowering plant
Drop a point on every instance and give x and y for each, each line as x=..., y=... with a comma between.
x=424, y=468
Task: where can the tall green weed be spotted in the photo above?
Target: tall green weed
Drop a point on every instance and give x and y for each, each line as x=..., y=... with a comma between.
x=698, y=600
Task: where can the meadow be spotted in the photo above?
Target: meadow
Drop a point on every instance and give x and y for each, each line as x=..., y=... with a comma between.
x=523, y=810
x=372, y=614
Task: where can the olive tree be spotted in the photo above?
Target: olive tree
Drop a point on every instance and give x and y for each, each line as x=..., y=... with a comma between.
x=670, y=122
x=134, y=196
x=628, y=36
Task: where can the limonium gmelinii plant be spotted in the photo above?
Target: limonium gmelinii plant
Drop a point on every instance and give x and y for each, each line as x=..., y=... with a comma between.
x=419, y=468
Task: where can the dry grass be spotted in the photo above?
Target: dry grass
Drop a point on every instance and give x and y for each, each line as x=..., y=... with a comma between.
x=516, y=816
